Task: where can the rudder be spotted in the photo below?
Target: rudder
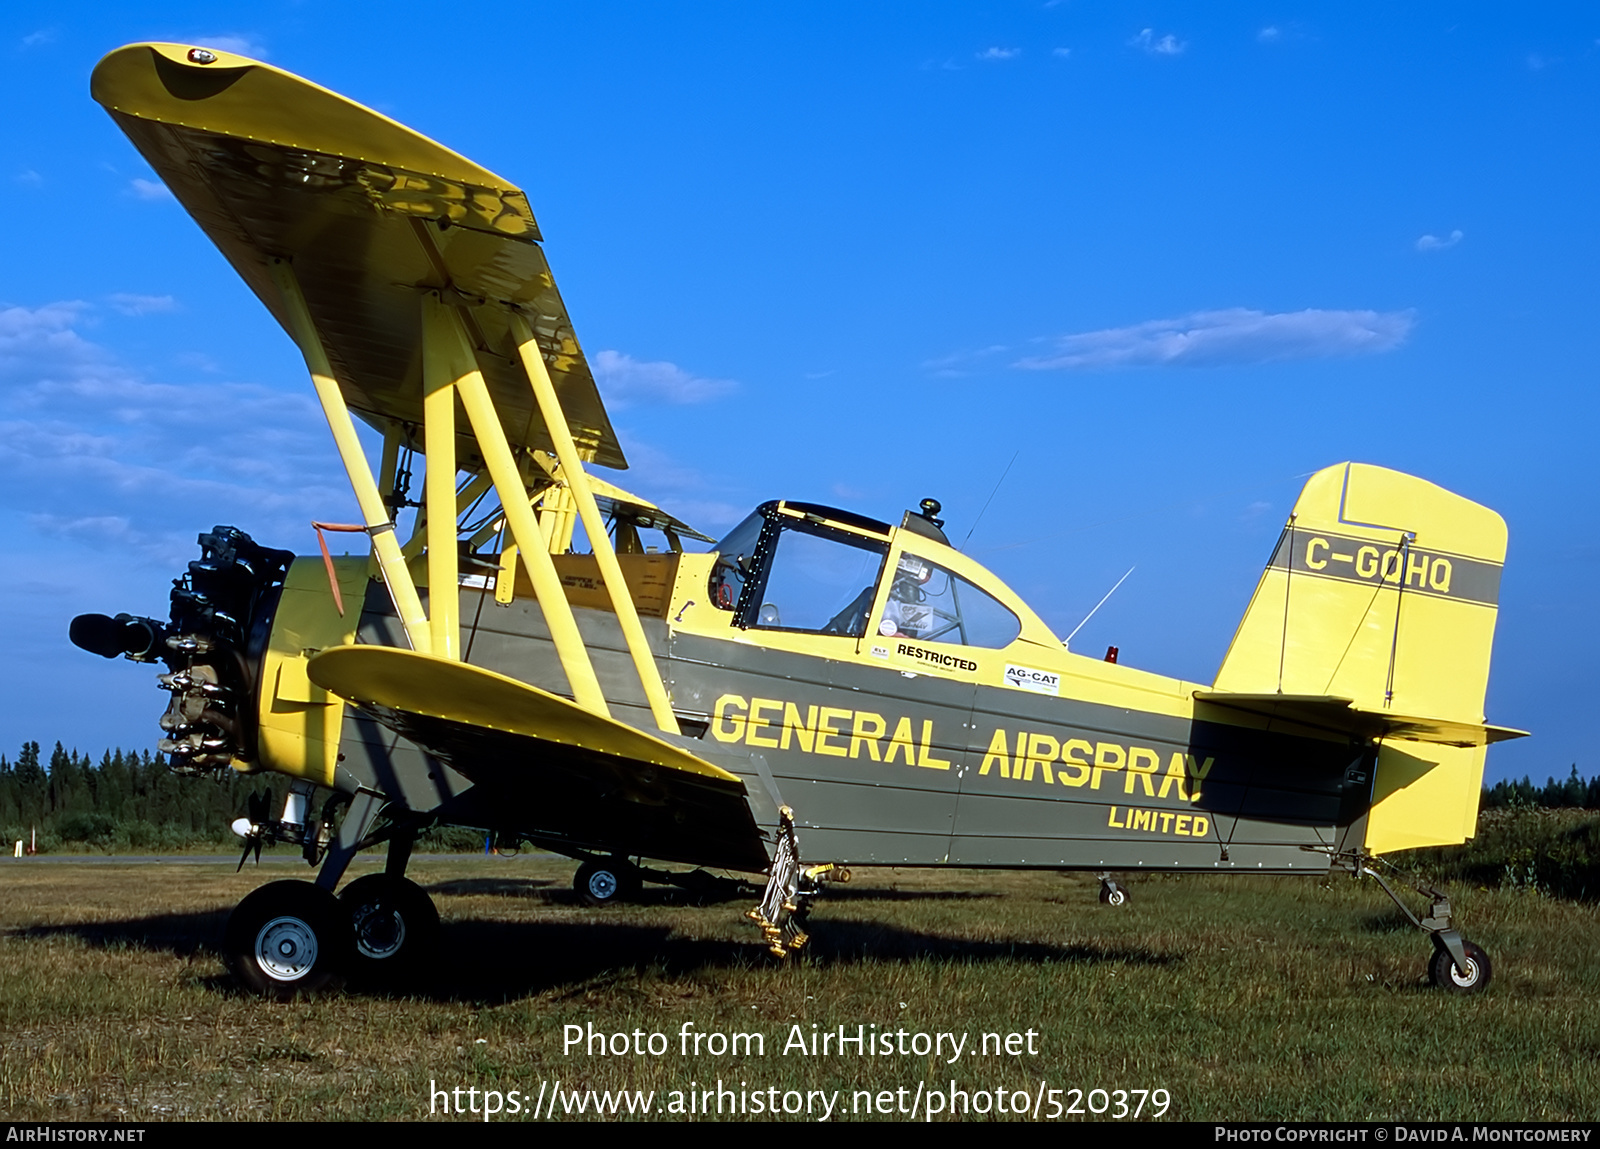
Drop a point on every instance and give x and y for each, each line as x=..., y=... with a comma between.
x=1383, y=589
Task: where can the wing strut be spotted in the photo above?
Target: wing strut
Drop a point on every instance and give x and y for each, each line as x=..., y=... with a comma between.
x=380, y=529
x=578, y=483
x=451, y=368
x=439, y=445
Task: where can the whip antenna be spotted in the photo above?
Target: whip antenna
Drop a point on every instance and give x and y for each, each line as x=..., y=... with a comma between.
x=1097, y=606
x=989, y=500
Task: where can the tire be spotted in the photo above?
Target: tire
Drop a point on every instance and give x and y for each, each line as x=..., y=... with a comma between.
x=1442, y=970
x=288, y=940
x=394, y=926
x=606, y=883
x=1116, y=897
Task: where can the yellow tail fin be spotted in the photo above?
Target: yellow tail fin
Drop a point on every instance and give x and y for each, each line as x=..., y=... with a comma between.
x=1383, y=589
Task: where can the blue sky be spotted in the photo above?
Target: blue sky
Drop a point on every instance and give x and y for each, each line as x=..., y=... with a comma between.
x=1167, y=258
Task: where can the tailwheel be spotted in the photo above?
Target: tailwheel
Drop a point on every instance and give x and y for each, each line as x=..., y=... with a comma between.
x=394, y=922
x=1447, y=975
x=288, y=939
x=1112, y=894
x=1464, y=971
x=607, y=882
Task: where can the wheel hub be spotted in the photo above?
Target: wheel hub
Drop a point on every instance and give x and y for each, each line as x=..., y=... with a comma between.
x=603, y=884
x=1467, y=977
x=380, y=932
x=286, y=949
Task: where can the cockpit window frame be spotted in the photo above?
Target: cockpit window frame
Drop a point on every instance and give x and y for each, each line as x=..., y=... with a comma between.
x=805, y=519
x=965, y=626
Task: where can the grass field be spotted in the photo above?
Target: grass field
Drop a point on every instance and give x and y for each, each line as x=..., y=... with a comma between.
x=1244, y=999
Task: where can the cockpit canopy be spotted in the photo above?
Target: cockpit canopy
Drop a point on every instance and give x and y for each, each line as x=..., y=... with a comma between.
x=812, y=569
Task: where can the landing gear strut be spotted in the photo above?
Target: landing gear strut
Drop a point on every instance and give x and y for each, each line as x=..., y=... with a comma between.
x=1457, y=966
x=289, y=939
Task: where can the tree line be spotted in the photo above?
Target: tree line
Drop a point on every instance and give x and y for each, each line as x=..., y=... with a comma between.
x=130, y=799
x=1572, y=792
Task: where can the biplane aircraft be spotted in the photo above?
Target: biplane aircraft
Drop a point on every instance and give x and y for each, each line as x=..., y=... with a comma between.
x=816, y=690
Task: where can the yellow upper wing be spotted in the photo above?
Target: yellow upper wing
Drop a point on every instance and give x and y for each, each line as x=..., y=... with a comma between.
x=371, y=215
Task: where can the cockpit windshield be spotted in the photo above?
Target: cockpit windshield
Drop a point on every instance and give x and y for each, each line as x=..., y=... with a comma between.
x=736, y=553
x=779, y=571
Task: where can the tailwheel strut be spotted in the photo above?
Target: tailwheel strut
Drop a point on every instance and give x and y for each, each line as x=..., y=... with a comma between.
x=1457, y=965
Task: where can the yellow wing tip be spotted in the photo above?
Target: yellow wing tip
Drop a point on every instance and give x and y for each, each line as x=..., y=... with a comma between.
x=195, y=55
x=160, y=79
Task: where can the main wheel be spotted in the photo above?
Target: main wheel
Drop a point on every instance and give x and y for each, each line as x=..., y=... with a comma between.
x=288, y=939
x=394, y=922
x=606, y=883
x=1445, y=974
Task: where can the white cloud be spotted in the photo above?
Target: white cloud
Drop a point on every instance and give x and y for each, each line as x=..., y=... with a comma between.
x=115, y=534
x=42, y=36
x=1061, y=53
x=149, y=189
x=624, y=380
x=962, y=363
x=1268, y=34
x=29, y=178
x=1434, y=243
x=1168, y=45
x=239, y=43
x=678, y=489
x=44, y=334
x=23, y=324
x=1232, y=336
x=198, y=360
x=91, y=451
x=998, y=53
x=143, y=304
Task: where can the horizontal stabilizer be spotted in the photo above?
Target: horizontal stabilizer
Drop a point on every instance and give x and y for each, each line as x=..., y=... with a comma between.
x=439, y=688
x=1331, y=713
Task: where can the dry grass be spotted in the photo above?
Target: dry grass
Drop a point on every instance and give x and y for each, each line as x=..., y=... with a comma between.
x=1246, y=999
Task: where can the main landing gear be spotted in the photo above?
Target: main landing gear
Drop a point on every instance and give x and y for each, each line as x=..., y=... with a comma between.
x=608, y=881
x=292, y=939
x=395, y=926
x=614, y=880
x=288, y=939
